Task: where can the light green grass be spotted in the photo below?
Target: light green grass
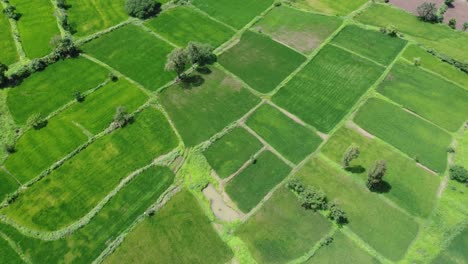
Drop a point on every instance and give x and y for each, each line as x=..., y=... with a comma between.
x=87, y=243
x=429, y=96
x=417, y=138
x=7, y=184
x=331, y=7
x=61, y=80
x=323, y=92
x=202, y=111
x=90, y=16
x=303, y=31
x=234, y=13
x=230, y=152
x=37, y=26
x=291, y=139
x=178, y=233
x=72, y=190
x=411, y=187
x=7, y=254
x=260, y=62
x=370, y=44
x=383, y=227
x=183, y=24
x=135, y=53
x=249, y=187
x=282, y=230
x=7, y=45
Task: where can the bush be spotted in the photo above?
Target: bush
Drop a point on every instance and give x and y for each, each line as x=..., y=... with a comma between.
x=36, y=121
x=10, y=12
x=427, y=12
x=449, y=2
x=10, y=148
x=313, y=199
x=295, y=185
x=417, y=61
x=3, y=78
x=142, y=9
x=64, y=47
x=113, y=77
x=79, y=97
x=465, y=26
x=337, y=214
x=452, y=23
x=37, y=65
x=459, y=174
x=121, y=118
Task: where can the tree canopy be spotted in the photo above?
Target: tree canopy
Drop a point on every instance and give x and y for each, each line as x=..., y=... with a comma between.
x=142, y=9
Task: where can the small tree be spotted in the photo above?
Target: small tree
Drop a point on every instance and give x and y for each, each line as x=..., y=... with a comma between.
x=10, y=12
x=452, y=23
x=64, y=47
x=121, y=118
x=199, y=53
x=79, y=97
x=62, y=4
x=417, y=61
x=177, y=61
x=36, y=121
x=295, y=185
x=142, y=9
x=427, y=12
x=313, y=199
x=465, y=26
x=337, y=214
x=3, y=77
x=458, y=173
x=10, y=148
x=351, y=153
x=376, y=174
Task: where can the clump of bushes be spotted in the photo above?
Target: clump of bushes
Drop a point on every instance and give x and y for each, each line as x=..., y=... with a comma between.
x=195, y=53
x=391, y=30
x=121, y=117
x=459, y=173
x=10, y=12
x=36, y=121
x=142, y=9
x=10, y=148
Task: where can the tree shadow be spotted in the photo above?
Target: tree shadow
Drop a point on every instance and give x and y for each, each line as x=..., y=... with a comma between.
x=358, y=169
x=204, y=70
x=40, y=125
x=192, y=81
x=384, y=187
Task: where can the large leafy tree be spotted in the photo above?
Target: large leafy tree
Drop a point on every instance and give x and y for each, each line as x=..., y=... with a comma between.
x=142, y=8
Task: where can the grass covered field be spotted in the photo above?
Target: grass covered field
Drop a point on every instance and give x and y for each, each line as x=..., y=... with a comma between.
x=456, y=250
x=370, y=44
x=69, y=192
x=234, y=13
x=85, y=244
x=410, y=186
x=330, y=7
x=7, y=254
x=261, y=62
x=178, y=233
x=135, y=53
x=303, y=31
x=7, y=45
x=7, y=184
x=415, y=137
x=383, y=227
x=230, y=152
x=61, y=80
x=282, y=230
x=249, y=187
x=291, y=139
x=322, y=93
x=90, y=16
x=37, y=26
x=223, y=100
x=429, y=96
x=184, y=24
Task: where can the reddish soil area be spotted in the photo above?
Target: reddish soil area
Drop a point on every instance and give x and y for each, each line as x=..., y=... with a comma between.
x=459, y=9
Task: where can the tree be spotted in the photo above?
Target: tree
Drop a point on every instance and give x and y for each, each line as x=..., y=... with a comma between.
x=452, y=23
x=295, y=185
x=79, y=96
x=351, y=153
x=199, y=53
x=36, y=121
x=417, y=61
x=10, y=148
x=142, y=9
x=121, y=118
x=313, y=199
x=458, y=173
x=376, y=174
x=3, y=77
x=337, y=214
x=427, y=12
x=177, y=61
x=10, y=12
x=64, y=47
x=62, y=4
x=449, y=2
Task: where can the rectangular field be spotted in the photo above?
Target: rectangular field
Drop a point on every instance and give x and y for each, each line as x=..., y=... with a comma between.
x=330, y=7
x=429, y=96
x=249, y=187
x=184, y=24
x=261, y=62
x=8, y=254
x=7, y=45
x=324, y=91
x=456, y=250
x=415, y=137
x=291, y=139
x=136, y=53
x=7, y=184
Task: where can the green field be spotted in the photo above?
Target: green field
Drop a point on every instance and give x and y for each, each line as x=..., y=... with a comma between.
x=249, y=187
x=7, y=184
x=223, y=98
x=69, y=192
x=7, y=45
x=184, y=24
x=303, y=31
x=330, y=7
x=135, y=53
x=234, y=13
x=282, y=230
x=291, y=139
x=7, y=254
x=321, y=94
x=37, y=26
x=261, y=62
x=456, y=250
x=179, y=233
x=370, y=44
x=429, y=96
x=415, y=137
x=85, y=244
x=60, y=79
x=90, y=16
x=229, y=153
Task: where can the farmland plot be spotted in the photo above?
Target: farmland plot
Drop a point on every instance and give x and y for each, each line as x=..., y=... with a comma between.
x=7, y=45
x=7, y=254
x=330, y=7
x=7, y=184
x=456, y=250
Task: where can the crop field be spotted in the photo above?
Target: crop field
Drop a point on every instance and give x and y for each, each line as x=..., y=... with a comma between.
x=9, y=184
x=330, y=7
x=456, y=251
x=261, y=62
x=8, y=253
x=7, y=46
x=320, y=94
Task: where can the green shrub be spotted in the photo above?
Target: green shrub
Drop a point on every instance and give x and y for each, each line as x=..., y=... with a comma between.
x=427, y=12
x=452, y=23
x=337, y=214
x=142, y=9
x=313, y=199
x=459, y=174
x=295, y=185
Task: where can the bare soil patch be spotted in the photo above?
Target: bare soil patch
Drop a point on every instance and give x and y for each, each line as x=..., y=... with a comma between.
x=358, y=129
x=218, y=206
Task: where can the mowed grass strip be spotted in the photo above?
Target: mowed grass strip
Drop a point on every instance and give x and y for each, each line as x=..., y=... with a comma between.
x=230, y=152
x=201, y=111
x=282, y=230
x=383, y=227
x=322, y=93
x=7, y=253
x=37, y=26
x=7, y=45
x=260, y=61
x=72, y=190
x=249, y=187
x=291, y=139
x=46, y=91
x=234, y=13
x=416, y=137
x=370, y=44
x=7, y=184
x=330, y=7
x=409, y=186
x=90, y=16
x=303, y=31
x=184, y=24
x=135, y=53
x=178, y=233
x=88, y=242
